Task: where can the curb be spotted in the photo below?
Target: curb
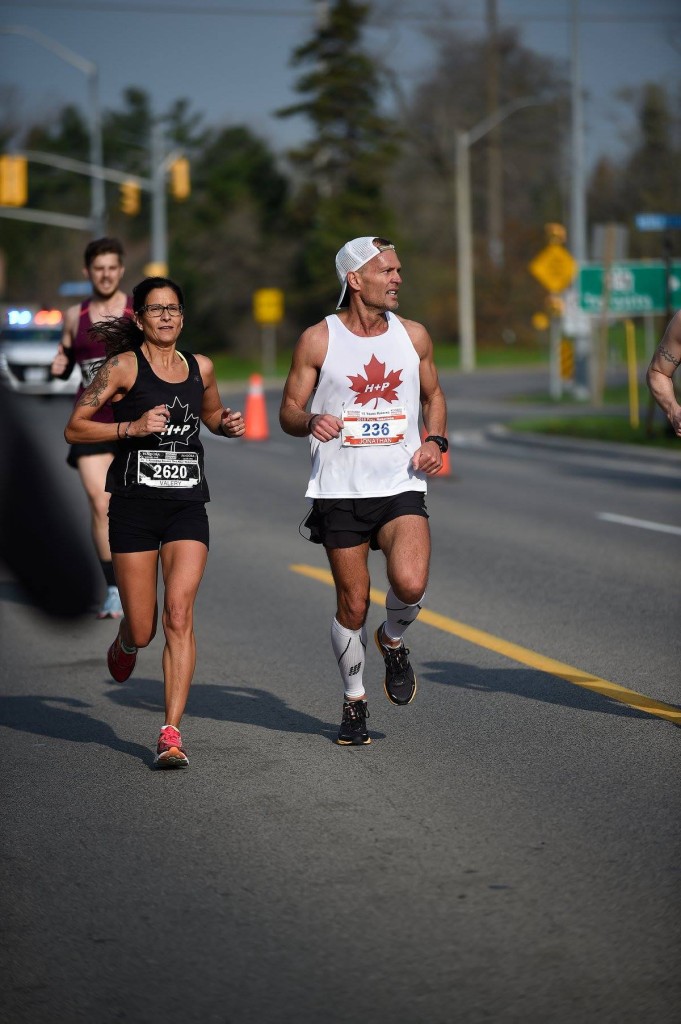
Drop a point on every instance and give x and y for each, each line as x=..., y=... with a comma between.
x=612, y=449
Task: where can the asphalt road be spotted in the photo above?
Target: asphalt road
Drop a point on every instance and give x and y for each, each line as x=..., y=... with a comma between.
x=506, y=850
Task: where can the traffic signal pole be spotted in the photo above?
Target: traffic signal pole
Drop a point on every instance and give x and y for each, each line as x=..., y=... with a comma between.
x=156, y=185
x=159, y=219
x=91, y=71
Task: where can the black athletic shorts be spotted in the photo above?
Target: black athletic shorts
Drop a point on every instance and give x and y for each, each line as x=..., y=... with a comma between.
x=143, y=524
x=76, y=451
x=348, y=522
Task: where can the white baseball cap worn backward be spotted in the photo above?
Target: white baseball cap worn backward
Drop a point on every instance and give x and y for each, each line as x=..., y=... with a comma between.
x=353, y=256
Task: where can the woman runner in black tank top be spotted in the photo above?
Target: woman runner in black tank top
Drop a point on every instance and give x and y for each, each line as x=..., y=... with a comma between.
x=159, y=397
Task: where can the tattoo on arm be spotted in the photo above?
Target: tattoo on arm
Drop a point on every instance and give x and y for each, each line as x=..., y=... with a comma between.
x=666, y=354
x=91, y=395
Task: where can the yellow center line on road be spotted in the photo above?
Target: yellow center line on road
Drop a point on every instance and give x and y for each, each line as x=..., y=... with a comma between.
x=521, y=654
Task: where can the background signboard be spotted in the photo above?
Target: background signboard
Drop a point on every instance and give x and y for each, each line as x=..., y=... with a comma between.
x=553, y=267
x=658, y=221
x=634, y=287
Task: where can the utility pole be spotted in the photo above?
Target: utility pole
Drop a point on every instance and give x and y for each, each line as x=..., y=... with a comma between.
x=577, y=195
x=464, y=232
x=464, y=248
x=495, y=241
x=577, y=234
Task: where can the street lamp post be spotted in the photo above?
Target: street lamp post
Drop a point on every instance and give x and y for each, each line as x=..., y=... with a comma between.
x=464, y=231
x=89, y=68
x=161, y=161
x=159, y=222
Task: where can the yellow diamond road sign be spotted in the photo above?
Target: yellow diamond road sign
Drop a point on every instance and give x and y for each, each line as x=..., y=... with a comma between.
x=554, y=268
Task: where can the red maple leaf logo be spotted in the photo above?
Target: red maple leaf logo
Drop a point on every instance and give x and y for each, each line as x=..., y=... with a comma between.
x=376, y=384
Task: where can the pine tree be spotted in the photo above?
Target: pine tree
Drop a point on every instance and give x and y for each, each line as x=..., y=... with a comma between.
x=343, y=166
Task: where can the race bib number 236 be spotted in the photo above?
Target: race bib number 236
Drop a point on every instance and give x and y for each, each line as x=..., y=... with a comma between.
x=362, y=427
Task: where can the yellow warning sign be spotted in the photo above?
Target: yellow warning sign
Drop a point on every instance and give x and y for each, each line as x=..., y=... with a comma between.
x=268, y=306
x=567, y=359
x=553, y=267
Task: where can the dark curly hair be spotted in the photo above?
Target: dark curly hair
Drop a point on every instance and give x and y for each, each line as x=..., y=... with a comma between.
x=120, y=333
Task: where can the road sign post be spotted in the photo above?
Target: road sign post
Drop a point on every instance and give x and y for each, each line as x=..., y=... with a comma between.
x=268, y=311
x=555, y=269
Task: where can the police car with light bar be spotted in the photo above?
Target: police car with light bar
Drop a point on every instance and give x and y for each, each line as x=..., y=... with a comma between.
x=29, y=339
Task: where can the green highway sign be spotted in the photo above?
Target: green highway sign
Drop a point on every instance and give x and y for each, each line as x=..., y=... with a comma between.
x=634, y=287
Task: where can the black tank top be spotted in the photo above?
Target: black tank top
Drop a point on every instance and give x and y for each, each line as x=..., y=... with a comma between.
x=167, y=465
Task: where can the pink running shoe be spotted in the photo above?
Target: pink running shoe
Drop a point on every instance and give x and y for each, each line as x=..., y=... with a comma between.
x=170, y=752
x=120, y=664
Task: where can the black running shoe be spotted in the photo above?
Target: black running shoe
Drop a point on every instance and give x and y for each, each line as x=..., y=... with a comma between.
x=353, y=727
x=400, y=682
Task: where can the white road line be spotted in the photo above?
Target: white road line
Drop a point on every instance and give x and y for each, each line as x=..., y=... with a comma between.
x=643, y=524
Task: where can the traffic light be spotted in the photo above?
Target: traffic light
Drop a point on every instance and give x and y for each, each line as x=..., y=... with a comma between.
x=130, y=198
x=555, y=234
x=555, y=306
x=180, y=184
x=13, y=181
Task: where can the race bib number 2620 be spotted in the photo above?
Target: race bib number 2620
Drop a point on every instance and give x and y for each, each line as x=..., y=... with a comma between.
x=168, y=469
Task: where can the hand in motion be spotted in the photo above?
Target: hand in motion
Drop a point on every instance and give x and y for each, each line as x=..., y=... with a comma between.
x=154, y=421
x=59, y=364
x=324, y=426
x=675, y=420
x=427, y=458
x=232, y=423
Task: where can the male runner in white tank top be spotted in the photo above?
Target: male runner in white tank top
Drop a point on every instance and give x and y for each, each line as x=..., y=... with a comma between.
x=370, y=372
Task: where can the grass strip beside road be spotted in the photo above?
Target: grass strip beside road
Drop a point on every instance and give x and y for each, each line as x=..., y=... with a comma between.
x=523, y=655
x=597, y=428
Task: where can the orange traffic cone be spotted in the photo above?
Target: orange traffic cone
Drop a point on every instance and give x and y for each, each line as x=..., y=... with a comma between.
x=446, y=468
x=256, y=411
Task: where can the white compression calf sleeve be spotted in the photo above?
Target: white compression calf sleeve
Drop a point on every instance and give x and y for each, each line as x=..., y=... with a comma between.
x=349, y=646
x=398, y=615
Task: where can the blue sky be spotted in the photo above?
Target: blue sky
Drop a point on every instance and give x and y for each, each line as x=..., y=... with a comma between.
x=231, y=58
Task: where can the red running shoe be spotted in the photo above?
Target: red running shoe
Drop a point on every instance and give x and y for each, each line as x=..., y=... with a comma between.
x=120, y=663
x=170, y=752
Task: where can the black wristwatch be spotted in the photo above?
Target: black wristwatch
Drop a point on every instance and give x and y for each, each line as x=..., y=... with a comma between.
x=441, y=442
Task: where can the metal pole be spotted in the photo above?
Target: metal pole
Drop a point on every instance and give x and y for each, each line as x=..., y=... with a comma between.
x=464, y=241
x=555, y=379
x=632, y=373
x=98, y=203
x=88, y=68
x=578, y=244
x=495, y=239
x=159, y=229
x=577, y=196
x=269, y=350
x=464, y=233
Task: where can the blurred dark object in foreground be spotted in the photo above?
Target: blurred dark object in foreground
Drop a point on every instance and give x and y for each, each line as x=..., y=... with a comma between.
x=46, y=550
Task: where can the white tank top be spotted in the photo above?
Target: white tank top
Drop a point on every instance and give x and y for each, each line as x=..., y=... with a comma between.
x=372, y=384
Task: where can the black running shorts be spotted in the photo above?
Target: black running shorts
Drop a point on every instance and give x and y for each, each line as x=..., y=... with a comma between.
x=77, y=451
x=348, y=522
x=143, y=524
